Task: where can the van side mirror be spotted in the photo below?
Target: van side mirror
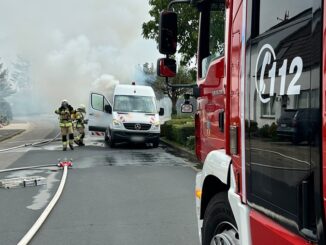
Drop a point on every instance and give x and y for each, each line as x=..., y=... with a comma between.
x=168, y=32
x=161, y=112
x=166, y=67
x=108, y=109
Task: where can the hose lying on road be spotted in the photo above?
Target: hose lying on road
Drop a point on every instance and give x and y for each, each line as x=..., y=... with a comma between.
x=35, y=144
x=44, y=142
x=33, y=230
x=25, y=168
x=65, y=164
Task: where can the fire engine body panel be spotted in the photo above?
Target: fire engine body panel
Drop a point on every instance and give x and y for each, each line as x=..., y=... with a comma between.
x=210, y=111
x=269, y=157
x=323, y=107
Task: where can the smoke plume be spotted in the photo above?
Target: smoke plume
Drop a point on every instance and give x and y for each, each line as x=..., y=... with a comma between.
x=75, y=46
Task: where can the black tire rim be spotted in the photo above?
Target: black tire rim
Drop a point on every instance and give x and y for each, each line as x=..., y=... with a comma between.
x=225, y=234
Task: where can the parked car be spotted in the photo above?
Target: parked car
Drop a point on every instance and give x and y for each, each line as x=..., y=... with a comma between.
x=299, y=124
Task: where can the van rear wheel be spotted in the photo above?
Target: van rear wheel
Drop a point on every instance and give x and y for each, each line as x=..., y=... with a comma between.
x=106, y=138
x=219, y=226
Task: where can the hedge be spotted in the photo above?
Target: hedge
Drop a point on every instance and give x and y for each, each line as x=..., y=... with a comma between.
x=181, y=131
x=167, y=126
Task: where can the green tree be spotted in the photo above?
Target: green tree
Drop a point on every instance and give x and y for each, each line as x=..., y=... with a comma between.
x=187, y=27
x=20, y=73
x=6, y=87
x=183, y=77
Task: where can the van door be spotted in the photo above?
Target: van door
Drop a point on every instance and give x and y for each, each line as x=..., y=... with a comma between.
x=98, y=118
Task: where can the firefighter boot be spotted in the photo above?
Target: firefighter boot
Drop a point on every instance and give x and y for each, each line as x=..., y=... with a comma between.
x=81, y=141
x=71, y=141
x=64, y=142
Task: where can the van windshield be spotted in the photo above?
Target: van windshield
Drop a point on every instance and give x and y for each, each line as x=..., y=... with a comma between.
x=129, y=103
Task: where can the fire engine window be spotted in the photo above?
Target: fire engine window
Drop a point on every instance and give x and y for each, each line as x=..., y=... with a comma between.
x=268, y=109
x=216, y=37
x=278, y=12
x=284, y=113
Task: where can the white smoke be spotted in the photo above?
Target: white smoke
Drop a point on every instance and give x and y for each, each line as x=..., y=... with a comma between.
x=71, y=44
x=105, y=85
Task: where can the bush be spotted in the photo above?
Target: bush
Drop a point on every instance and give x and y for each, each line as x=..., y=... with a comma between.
x=264, y=131
x=273, y=131
x=181, y=117
x=178, y=130
x=191, y=142
x=253, y=126
x=179, y=133
x=167, y=126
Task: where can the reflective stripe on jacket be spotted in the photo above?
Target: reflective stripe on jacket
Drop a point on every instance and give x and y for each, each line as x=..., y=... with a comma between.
x=65, y=116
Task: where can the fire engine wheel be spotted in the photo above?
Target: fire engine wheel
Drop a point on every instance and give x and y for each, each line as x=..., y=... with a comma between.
x=219, y=227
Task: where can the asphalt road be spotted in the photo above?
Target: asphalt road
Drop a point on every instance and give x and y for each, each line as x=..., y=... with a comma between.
x=132, y=194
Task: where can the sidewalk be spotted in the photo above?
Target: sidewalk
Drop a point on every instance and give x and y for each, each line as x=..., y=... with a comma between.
x=184, y=150
x=13, y=129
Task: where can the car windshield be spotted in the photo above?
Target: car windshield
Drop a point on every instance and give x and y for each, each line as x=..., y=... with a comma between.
x=128, y=103
x=288, y=114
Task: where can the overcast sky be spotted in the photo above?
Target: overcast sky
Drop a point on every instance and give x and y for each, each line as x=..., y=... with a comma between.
x=72, y=43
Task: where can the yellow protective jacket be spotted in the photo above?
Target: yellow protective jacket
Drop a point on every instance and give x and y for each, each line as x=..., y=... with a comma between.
x=65, y=116
x=79, y=116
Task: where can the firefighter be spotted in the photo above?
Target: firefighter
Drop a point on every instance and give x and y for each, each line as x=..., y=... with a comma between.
x=80, y=125
x=66, y=113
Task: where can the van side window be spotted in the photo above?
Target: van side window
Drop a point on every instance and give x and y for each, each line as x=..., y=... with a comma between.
x=97, y=102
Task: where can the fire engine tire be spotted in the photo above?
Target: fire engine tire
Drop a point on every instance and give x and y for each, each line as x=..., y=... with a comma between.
x=219, y=226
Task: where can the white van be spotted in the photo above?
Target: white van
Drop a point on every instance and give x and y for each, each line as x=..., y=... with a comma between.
x=132, y=117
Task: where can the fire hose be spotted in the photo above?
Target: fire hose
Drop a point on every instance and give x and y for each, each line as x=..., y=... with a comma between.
x=35, y=144
x=37, y=225
x=64, y=164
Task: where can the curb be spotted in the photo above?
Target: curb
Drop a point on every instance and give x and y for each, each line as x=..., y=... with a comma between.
x=12, y=135
x=172, y=144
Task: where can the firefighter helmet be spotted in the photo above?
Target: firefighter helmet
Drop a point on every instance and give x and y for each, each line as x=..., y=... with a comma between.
x=82, y=108
x=64, y=103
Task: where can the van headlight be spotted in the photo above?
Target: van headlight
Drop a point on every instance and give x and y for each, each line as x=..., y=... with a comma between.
x=156, y=125
x=116, y=123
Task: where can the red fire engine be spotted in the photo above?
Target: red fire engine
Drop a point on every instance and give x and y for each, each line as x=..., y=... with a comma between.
x=260, y=120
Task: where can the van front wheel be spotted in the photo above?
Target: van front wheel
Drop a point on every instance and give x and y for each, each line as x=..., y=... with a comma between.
x=156, y=143
x=110, y=140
